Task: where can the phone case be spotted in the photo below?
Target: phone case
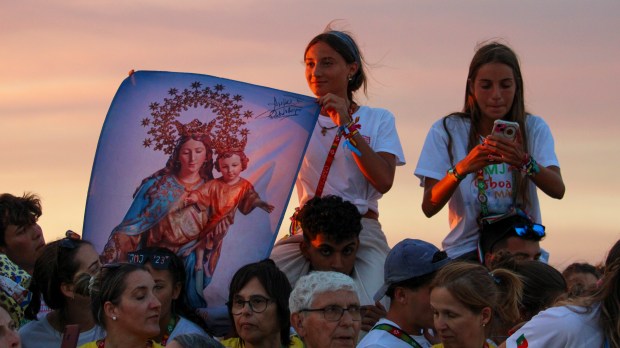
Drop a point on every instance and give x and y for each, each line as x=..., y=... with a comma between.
x=505, y=129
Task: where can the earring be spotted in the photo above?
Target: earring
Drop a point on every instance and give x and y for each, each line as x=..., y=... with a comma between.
x=484, y=324
x=350, y=78
x=114, y=317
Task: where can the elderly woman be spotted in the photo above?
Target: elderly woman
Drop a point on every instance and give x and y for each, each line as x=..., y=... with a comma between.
x=258, y=303
x=125, y=305
x=325, y=310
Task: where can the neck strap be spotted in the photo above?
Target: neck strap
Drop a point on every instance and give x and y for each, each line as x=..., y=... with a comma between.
x=398, y=333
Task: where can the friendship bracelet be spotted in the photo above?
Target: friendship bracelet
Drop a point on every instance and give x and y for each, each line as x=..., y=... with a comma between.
x=530, y=166
x=349, y=131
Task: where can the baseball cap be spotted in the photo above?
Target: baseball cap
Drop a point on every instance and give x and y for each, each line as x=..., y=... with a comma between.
x=410, y=258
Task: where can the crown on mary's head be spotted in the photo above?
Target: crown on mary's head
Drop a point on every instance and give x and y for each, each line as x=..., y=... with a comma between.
x=226, y=131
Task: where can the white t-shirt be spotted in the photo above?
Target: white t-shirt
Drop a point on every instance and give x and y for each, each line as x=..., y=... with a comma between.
x=185, y=326
x=40, y=333
x=383, y=339
x=345, y=179
x=573, y=327
x=464, y=207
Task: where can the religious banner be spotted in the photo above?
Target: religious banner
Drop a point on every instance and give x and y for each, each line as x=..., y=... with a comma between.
x=201, y=165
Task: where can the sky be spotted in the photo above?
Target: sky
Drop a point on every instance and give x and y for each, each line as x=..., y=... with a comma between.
x=61, y=63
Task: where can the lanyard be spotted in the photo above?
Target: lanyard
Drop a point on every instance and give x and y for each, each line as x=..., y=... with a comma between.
x=482, y=195
x=328, y=164
x=398, y=333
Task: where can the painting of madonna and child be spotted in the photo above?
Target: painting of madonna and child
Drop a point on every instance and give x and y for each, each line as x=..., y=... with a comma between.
x=200, y=165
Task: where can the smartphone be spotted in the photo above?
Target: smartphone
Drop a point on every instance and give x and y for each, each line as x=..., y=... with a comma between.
x=505, y=129
x=70, y=336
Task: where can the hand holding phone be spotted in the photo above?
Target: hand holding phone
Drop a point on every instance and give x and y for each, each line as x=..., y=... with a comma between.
x=505, y=129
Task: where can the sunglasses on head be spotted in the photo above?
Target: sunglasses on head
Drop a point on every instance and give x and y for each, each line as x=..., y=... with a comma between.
x=155, y=259
x=533, y=229
x=70, y=239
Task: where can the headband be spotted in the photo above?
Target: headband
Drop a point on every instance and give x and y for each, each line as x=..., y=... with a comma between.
x=348, y=41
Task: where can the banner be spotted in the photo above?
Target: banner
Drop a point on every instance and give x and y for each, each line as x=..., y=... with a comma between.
x=201, y=165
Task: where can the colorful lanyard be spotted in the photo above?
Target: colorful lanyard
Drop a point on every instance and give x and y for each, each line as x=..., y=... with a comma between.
x=398, y=333
x=171, y=324
x=482, y=195
x=328, y=164
x=330, y=158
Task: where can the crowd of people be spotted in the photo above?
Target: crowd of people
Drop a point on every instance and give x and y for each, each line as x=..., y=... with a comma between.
x=334, y=281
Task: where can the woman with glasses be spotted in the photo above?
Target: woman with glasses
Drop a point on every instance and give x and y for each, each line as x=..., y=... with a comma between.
x=168, y=272
x=258, y=304
x=125, y=305
x=481, y=173
x=325, y=310
x=56, y=277
x=470, y=304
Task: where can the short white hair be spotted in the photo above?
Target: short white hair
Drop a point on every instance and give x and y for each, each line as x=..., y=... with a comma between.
x=316, y=283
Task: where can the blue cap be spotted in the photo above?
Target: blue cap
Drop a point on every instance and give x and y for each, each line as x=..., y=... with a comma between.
x=410, y=258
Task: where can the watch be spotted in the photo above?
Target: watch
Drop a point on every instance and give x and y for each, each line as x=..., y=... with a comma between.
x=456, y=174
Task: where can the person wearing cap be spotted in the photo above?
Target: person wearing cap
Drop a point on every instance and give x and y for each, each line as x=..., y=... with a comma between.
x=408, y=271
x=515, y=234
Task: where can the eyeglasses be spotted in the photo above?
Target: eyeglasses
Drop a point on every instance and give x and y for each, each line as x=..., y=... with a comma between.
x=257, y=303
x=157, y=260
x=334, y=312
x=524, y=230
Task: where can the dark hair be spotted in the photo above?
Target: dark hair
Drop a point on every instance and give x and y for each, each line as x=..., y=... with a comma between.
x=581, y=267
x=173, y=165
x=19, y=211
x=108, y=285
x=56, y=265
x=412, y=283
x=176, y=269
x=495, y=236
x=343, y=43
x=195, y=340
x=332, y=216
x=494, y=52
x=276, y=285
x=543, y=285
x=244, y=159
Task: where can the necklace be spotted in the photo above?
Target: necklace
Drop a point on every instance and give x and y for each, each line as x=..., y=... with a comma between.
x=325, y=129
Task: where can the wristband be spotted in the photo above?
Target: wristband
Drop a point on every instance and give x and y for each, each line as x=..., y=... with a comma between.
x=456, y=174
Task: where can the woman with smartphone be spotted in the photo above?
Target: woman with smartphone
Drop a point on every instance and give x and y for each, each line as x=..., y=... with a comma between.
x=481, y=173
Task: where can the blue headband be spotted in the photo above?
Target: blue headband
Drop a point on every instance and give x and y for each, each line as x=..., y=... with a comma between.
x=348, y=41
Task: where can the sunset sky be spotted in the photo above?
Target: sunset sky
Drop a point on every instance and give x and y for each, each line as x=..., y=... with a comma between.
x=62, y=62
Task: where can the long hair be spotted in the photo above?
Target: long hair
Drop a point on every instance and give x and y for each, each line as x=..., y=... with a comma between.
x=109, y=285
x=476, y=288
x=343, y=43
x=494, y=52
x=173, y=165
x=276, y=285
x=56, y=265
x=608, y=296
x=543, y=285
